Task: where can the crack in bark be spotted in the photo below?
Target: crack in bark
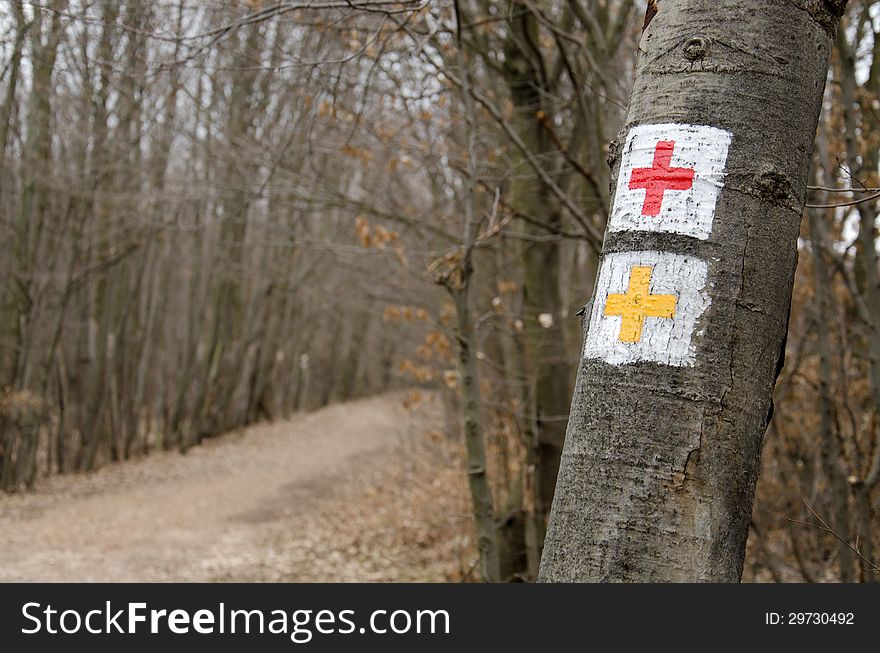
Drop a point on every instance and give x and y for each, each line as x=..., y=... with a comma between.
x=718, y=69
x=679, y=483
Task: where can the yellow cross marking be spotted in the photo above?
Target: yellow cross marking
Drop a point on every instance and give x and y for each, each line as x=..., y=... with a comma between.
x=637, y=304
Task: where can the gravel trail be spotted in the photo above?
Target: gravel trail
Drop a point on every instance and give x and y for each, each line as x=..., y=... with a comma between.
x=353, y=492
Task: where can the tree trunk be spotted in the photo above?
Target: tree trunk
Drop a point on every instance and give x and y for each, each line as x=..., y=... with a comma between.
x=547, y=360
x=457, y=281
x=832, y=459
x=863, y=166
x=687, y=326
x=481, y=492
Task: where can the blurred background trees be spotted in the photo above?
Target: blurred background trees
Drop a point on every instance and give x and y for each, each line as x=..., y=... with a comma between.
x=214, y=213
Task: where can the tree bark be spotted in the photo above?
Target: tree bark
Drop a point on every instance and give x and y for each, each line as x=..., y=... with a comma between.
x=863, y=168
x=547, y=355
x=832, y=459
x=457, y=281
x=660, y=461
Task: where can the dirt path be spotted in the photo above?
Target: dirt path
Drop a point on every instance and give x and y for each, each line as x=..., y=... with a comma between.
x=357, y=491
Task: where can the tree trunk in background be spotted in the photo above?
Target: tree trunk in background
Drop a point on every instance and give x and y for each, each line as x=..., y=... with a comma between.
x=230, y=301
x=832, y=461
x=14, y=70
x=37, y=156
x=456, y=275
x=863, y=166
x=27, y=232
x=547, y=356
x=481, y=491
x=660, y=461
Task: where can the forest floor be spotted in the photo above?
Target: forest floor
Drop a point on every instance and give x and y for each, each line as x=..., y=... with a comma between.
x=363, y=491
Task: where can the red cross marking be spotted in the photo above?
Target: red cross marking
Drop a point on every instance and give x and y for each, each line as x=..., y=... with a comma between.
x=660, y=178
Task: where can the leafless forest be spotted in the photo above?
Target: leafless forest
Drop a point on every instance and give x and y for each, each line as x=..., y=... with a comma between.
x=215, y=214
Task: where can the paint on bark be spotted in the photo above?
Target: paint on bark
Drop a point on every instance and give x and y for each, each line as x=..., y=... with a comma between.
x=670, y=179
x=629, y=325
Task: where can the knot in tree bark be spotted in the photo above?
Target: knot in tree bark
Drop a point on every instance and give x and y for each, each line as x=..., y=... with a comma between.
x=696, y=48
x=772, y=185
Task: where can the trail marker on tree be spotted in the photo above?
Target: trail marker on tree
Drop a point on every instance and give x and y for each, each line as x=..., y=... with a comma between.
x=670, y=178
x=638, y=303
x=646, y=308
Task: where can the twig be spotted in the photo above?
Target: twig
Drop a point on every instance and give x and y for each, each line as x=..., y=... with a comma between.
x=861, y=200
x=823, y=526
x=831, y=189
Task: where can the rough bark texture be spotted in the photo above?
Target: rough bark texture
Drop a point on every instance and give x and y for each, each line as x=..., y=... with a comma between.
x=660, y=462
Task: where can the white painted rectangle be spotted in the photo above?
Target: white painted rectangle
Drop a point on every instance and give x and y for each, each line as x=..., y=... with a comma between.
x=682, y=210
x=663, y=339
